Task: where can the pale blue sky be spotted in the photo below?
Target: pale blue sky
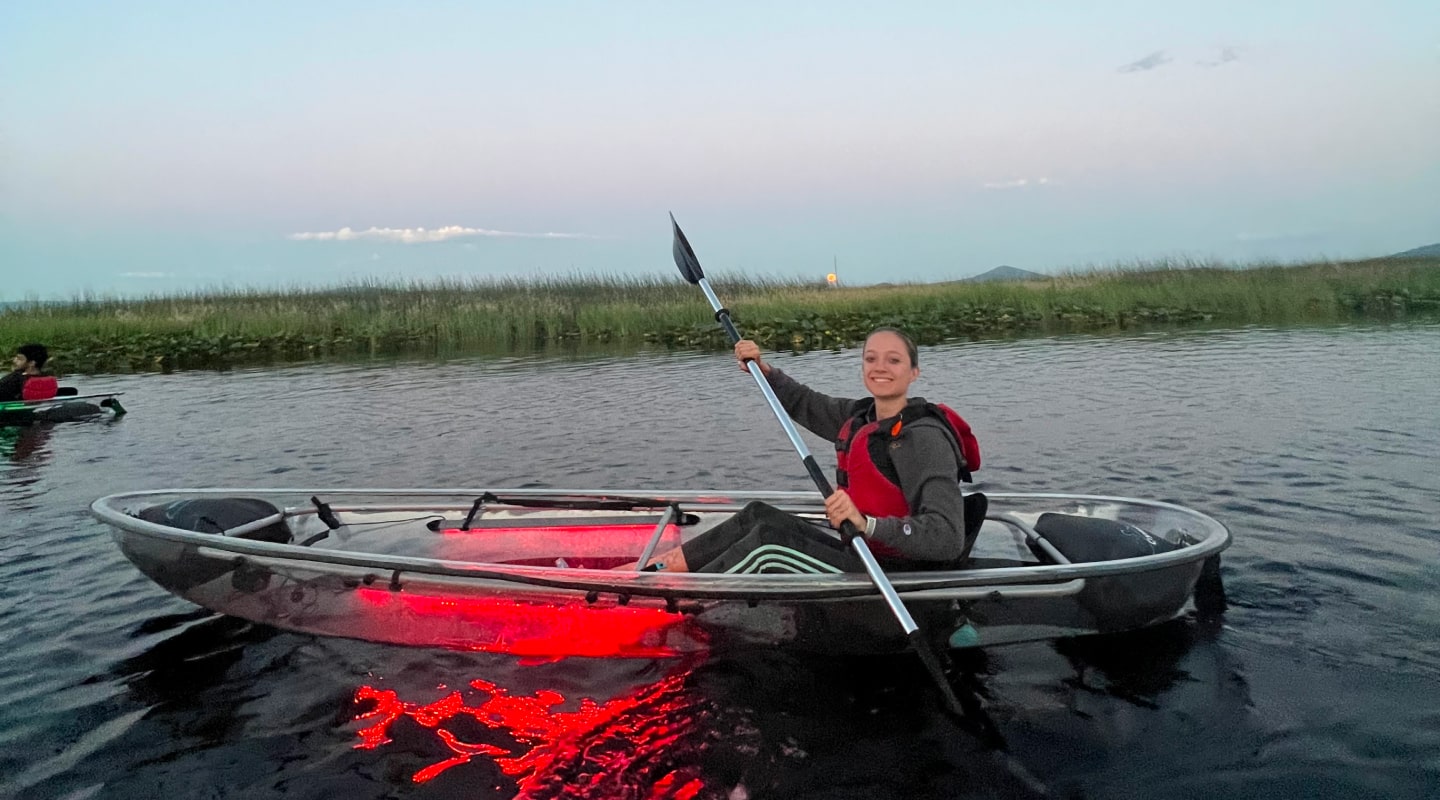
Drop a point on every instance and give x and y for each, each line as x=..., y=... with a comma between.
x=155, y=146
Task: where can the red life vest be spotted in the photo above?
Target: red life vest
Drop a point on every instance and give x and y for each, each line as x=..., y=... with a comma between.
x=863, y=455
x=39, y=387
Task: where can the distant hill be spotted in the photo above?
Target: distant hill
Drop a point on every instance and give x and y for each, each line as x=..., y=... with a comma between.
x=1428, y=251
x=1004, y=273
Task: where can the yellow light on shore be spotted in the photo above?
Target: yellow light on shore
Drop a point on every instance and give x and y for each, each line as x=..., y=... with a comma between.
x=831, y=279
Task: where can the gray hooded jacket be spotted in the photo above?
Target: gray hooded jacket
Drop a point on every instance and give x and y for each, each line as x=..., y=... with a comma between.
x=925, y=458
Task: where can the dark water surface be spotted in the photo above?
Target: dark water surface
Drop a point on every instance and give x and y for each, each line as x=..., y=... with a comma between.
x=1318, y=448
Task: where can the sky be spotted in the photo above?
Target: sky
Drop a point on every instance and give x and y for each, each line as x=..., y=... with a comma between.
x=156, y=147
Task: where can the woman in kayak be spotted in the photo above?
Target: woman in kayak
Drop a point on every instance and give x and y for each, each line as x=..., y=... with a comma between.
x=27, y=382
x=900, y=462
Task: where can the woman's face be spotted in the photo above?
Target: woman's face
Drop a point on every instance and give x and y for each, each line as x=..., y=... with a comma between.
x=19, y=362
x=886, y=368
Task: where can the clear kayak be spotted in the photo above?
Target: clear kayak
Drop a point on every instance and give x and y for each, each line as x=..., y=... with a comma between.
x=61, y=408
x=541, y=572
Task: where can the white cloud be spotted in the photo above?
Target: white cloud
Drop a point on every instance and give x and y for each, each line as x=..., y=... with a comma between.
x=1018, y=183
x=417, y=235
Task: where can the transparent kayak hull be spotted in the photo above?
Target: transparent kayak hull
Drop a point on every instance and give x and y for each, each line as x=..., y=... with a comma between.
x=65, y=408
x=532, y=572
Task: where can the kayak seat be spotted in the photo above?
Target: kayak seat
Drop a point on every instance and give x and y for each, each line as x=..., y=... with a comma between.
x=976, y=506
x=1089, y=539
x=67, y=391
x=217, y=515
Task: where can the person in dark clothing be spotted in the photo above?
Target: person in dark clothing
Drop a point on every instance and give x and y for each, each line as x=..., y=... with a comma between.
x=28, y=362
x=901, y=460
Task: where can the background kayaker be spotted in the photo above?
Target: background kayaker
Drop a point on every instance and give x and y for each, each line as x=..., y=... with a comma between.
x=28, y=381
x=901, y=488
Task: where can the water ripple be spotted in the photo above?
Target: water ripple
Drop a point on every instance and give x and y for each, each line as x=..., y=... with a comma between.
x=1310, y=445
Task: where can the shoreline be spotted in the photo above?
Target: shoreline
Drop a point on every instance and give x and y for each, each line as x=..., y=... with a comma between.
x=251, y=327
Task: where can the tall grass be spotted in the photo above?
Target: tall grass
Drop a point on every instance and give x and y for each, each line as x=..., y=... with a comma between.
x=238, y=326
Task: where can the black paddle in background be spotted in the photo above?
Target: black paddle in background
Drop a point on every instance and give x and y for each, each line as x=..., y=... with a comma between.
x=690, y=267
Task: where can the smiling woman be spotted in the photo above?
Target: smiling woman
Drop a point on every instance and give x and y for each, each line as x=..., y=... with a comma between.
x=899, y=459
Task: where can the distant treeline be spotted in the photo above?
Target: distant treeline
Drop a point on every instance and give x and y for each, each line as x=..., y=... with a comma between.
x=237, y=327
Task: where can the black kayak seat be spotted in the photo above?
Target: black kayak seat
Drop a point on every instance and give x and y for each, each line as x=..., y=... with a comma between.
x=976, y=506
x=1088, y=539
x=67, y=391
x=219, y=514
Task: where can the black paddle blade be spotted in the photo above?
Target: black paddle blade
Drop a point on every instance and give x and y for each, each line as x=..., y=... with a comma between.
x=684, y=256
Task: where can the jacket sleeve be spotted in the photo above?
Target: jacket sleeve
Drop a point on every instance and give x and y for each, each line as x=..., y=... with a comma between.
x=928, y=469
x=11, y=386
x=820, y=413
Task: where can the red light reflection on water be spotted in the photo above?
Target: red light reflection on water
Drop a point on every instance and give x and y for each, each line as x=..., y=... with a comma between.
x=625, y=739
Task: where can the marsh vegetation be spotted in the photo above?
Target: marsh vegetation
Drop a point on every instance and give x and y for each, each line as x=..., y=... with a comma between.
x=235, y=327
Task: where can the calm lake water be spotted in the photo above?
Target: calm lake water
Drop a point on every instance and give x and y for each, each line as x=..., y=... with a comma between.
x=1318, y=448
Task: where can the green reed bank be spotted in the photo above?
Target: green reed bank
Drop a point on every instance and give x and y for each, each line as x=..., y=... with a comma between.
x=238, y=327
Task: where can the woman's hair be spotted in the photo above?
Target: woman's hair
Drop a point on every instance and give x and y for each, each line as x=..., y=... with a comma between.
x=909, y=343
